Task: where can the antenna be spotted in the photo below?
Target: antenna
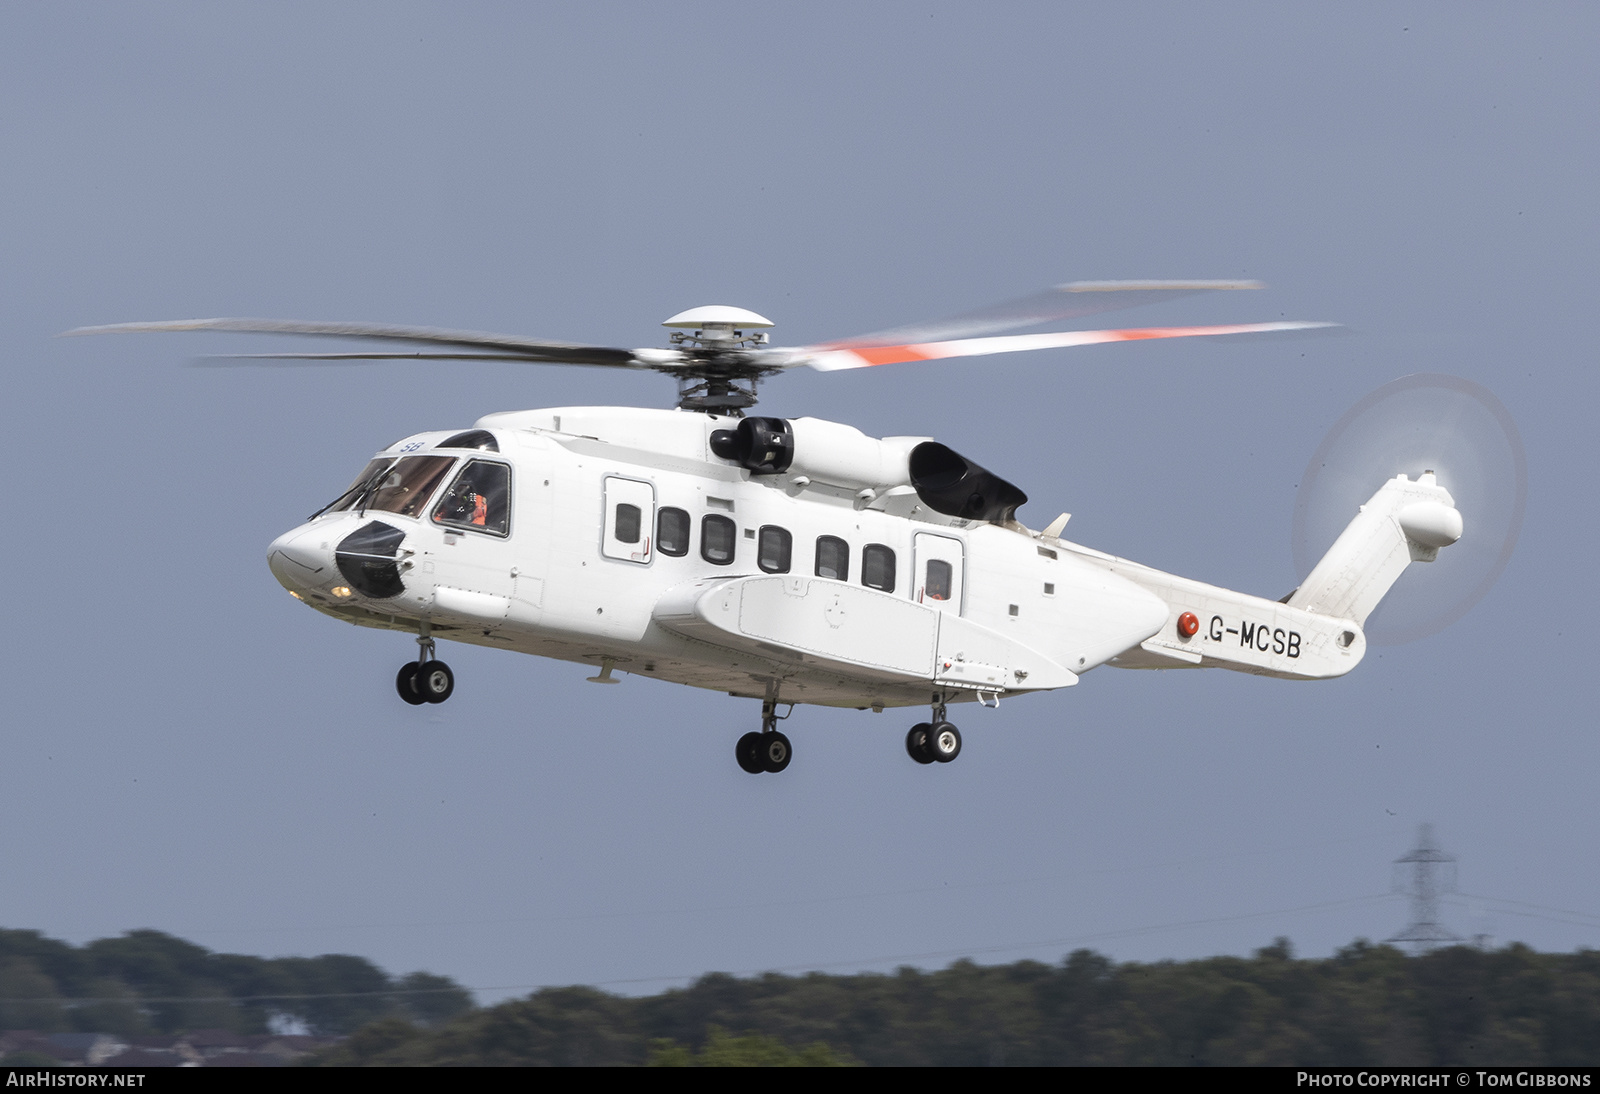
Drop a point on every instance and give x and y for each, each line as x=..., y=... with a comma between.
x=1418, y=875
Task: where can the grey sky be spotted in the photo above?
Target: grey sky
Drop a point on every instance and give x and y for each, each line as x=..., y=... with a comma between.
x=189, y=749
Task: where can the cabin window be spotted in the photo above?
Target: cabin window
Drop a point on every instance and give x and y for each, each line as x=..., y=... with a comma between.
x=773, y=549
x=877, y=567
x=718, y=535
x=672, y=532
x=479, y=498
x=941, y=577
x=833, y=558
x=627, y=523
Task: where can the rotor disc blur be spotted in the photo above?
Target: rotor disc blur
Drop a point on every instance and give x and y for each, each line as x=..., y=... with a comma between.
x=1428, y=422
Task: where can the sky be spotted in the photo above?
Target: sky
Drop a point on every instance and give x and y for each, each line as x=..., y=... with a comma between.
x=187, y=748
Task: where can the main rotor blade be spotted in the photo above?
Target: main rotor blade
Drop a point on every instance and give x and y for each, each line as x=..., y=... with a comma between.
x=526, y=349
x=1070, y=301
x=828, y=358
x=219, y=359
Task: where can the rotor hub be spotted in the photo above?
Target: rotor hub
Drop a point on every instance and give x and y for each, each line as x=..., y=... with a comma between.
x=717, y=372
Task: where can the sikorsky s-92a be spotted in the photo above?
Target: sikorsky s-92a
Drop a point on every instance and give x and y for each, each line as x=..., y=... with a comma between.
x=792, y=561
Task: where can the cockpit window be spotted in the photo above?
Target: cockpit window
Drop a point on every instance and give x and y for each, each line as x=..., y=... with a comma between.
x=406, y=487
x=480, y=498
x=365, y=481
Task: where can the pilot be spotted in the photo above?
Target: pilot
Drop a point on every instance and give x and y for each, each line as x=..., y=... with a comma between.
x=464, y=505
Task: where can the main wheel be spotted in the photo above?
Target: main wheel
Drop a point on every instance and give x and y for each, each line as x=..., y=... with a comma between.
x=748, y=753
x=405, y=682
x=776, y=752
x=435, y=681
x=917, y=743
x=944, y=742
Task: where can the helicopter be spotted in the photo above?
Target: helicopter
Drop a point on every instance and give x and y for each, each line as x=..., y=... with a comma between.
x=791, y=560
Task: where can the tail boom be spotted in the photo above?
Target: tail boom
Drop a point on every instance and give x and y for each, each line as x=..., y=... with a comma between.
x=1314, y=633
x=1241, y=632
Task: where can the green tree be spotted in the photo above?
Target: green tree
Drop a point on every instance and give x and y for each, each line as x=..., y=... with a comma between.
x=722, y=1049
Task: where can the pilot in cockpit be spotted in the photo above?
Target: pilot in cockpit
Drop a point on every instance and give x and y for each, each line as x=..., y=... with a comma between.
x=462, y=504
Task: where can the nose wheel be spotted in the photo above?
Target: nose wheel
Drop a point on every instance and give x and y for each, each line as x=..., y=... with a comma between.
x=425, y=680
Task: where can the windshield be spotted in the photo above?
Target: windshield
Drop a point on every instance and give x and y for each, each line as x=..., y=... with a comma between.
x=363, y=482
x=408, y=485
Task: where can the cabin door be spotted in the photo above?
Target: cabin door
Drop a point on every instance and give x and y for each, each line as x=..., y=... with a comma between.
x=938, y=573
x=630, y=519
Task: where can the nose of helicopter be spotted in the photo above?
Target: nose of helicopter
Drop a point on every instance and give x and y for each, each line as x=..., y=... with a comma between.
x=300, y=558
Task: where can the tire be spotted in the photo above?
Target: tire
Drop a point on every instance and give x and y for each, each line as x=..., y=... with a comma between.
x=776, y=752
x=435, y=681
x=748, y=752
x=917, y=743
x=405, y=682
x=944, y=742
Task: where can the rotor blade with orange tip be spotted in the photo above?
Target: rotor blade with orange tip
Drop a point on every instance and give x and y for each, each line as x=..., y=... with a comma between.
x=827, y=359
x=1074, y=300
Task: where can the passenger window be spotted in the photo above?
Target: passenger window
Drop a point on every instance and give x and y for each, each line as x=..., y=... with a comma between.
x=479, y=498
x=717, y=538
x=940, y=579
x=627, y=523
x=773, y=549
x=672, y=532
x=877, y=567
x=833, y=558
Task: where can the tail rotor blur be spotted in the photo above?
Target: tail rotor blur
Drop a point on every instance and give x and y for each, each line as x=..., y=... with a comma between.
x=1424, y=423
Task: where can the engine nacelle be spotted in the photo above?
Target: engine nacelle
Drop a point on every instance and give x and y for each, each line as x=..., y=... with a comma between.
x=841, y=455
x=949, y=483
x=826, y=452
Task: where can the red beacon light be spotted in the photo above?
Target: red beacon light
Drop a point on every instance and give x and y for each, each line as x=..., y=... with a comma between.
x=1188, y=624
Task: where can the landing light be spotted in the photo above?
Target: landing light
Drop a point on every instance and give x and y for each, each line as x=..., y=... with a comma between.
x=296, y=595
x=340, y=591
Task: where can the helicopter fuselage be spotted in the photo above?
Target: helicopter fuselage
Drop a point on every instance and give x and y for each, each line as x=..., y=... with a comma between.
x=630, y=539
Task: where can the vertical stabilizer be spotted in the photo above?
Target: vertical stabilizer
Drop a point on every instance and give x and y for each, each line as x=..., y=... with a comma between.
x=1404, y=522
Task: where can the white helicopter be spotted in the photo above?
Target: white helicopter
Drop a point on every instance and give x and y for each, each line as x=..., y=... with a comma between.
x=791, y=560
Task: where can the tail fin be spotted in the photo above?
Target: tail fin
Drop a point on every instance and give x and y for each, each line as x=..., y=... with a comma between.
x=1404, y=522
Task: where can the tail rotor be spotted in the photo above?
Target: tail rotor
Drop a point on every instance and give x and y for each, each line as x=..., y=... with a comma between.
x=1461, y=433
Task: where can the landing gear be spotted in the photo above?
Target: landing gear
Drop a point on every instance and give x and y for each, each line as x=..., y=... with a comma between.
x=748, y=753
x=425, y=680
x=436, y=683
x=917, y=743
x=776, y=752
x=769, y=750
x=405, y=682
x=934, y=742
x=944, y=742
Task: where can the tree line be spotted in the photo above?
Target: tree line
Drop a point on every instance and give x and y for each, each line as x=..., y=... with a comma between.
x=1365, y=1005
x=148, y=982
